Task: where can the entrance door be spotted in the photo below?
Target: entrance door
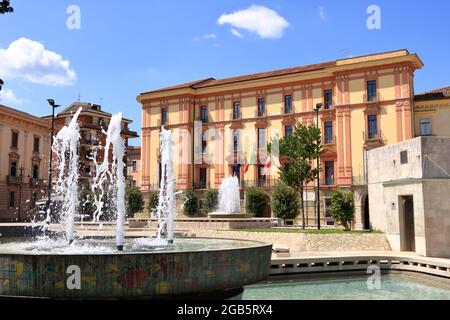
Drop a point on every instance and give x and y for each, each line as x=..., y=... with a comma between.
x=407, y=234
x=367, y=225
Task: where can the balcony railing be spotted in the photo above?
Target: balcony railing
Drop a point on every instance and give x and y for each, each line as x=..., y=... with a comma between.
x=372, y=136
x=90, y=142
x=327, y=105
x=235, y=116
x=258, y=183
x=11, y=180
x=372, y=98
x=327, y=182
x=329, y=140
x=35, y=182
x=259, y=114
x=161, y=123
x=202, y=185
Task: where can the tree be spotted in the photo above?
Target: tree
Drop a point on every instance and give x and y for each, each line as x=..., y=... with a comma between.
x=153, y=202
x=342, y=207
x=285, y=203
x=210, y=201
x=134, y=201
x=4, y=8
x=255, y=202
x=297, y=155
x=190, y=206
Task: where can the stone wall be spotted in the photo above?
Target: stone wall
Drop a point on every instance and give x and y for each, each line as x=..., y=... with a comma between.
x=303, y=242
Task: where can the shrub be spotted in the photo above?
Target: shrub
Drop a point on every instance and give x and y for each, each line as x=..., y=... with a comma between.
x=255, y=202
x=153, y=201
x=210, y=201
x=285, y=202
x=190, y=206
x=342, y=207
x=134, y=201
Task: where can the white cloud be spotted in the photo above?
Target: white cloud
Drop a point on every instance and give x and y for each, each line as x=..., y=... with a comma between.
x=29, y=60
x=236, y=33
x=322, y=14
x=261, y=20
x=210, y=36
x=8, y=96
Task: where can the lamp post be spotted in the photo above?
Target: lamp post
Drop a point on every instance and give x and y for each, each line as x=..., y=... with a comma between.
x=51, y=102
x=317, y=109
x=20, y=192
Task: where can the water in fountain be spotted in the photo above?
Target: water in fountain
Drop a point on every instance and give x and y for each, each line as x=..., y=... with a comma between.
x=66, y=147
x=229, y=196
x=165, y=210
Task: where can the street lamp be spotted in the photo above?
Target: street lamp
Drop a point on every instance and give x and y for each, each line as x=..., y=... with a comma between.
x=51, y=102
x=317, y=109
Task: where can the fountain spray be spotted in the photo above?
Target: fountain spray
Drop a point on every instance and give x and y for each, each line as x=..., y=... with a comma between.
x=66, y=147
x=165, y=210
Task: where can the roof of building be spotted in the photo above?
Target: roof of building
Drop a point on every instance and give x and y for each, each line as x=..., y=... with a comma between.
x=436, y=94
x=87, y=107
x=211, y=82
x=20, y=114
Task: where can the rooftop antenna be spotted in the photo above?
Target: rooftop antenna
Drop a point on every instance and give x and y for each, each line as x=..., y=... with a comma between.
x=79, y=97
x=101, y=100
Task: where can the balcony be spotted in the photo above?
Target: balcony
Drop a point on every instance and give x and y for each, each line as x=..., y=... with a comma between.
x=372, y=98
x=258, y=183
x=13, y=180
x=35, y=182
x=161, y=123
x=329, y=141
x=259, y=114
x=328, y=182
x=89, y=142
x=202, y=185
x=372, y=136
x=235, y=116
x=327, y=105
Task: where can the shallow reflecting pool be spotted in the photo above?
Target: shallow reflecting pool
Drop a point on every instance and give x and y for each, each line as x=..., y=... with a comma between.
x=392, y=287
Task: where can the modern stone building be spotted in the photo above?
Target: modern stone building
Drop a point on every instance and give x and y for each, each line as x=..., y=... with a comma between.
x=409, y=190
x=219, y=124
x=24, y=159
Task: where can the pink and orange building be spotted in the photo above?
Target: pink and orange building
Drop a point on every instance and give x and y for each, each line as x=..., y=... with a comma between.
x=218, y=124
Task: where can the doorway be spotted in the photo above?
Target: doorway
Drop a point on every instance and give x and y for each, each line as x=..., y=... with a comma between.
x=407, y=233
x=367, y=224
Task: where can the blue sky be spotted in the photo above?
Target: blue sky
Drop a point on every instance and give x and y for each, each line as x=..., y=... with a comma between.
x=127, y=47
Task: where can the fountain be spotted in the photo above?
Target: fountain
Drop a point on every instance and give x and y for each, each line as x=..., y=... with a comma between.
x=66, y=266
x=229, y=200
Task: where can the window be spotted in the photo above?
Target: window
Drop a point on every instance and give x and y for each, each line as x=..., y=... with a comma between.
x=236, y=110
x=11, y=200
x=262, y=144
x=328, y=99
x=288, y=104
x=372, y=125
x=236, y=171
x=36, y=144
x=404, y=157
x=425, y=127
x=261, y=107
x=261, y=176
x=329, y=173
x=236, y=140
x=163, y=117
x=371, y=90
x=15, y=139
x=13, y=169
x=288, y=130
x=202, y=178
x=203, y=114
x=134, y=165
x=328, y=132
x=35, y=171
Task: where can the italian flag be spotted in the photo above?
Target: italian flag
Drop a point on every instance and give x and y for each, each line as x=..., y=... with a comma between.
x=251, y=162
x=267, y=166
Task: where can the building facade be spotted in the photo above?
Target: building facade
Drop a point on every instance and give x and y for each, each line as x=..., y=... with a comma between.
x=409, y=184
x=219, y=126
x=93, y=122
x=134, y=166
x=24, y=159
x=432, y=113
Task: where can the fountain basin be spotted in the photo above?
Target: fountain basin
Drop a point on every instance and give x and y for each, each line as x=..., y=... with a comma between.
x=225, y=215
x=184, y=270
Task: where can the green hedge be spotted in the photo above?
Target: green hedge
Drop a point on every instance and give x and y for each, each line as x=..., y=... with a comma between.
x=285, y=202
x=210, y=201
x=255, y=202
x=153, y=201
x=190, y=205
